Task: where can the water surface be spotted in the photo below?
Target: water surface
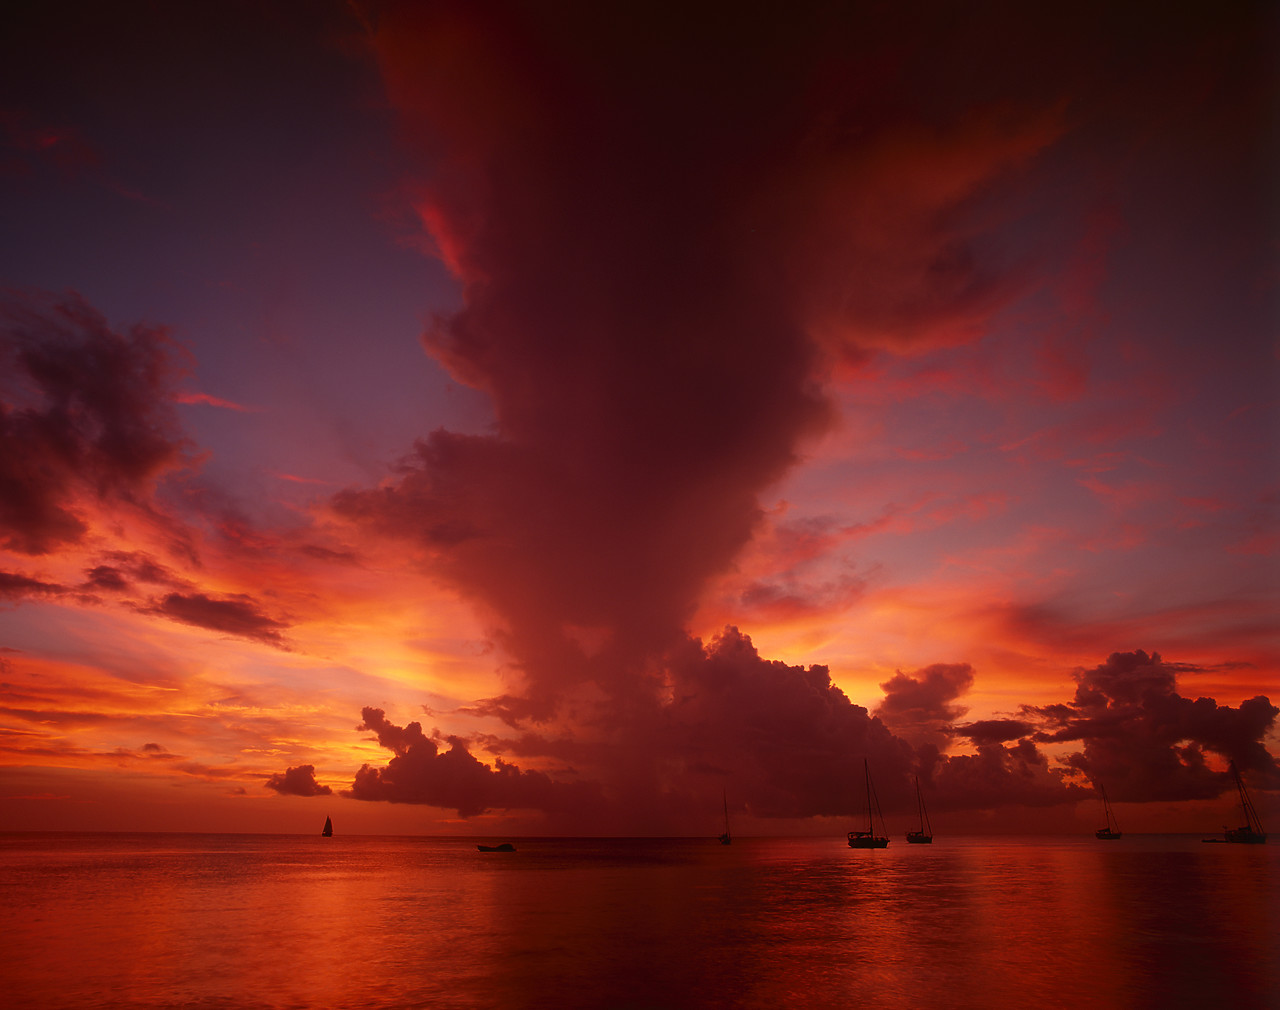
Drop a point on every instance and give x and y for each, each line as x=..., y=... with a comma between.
x=257, y=921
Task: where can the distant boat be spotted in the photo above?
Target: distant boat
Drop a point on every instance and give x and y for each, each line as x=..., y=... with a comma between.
x=724, y=838
x=925, y=835
x=869, y=839
x=328, y=828
x=1250, y=833
x=504, y=847
x=1112, y=831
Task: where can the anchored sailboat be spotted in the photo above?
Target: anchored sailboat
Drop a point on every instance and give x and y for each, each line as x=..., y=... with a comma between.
x=1112, y=830
x=725, y=839
x=328, y=828
x=925, y=835
x=869, y=839
x=1250, y=833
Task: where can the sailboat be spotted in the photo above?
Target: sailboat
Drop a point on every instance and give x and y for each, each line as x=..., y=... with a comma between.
x=1250, y=833
x=328, y=828
x=869, y=839
x=1112, y=830
x=925, y=835
x=724, y=838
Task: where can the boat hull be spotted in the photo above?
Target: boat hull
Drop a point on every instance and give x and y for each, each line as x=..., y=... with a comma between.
x=1106, y=834
x=919, y=838
x=866, y=840
x=1246, y=836
x=504, y=847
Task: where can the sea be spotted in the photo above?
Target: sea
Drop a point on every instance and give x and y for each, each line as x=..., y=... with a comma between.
x=287, y=921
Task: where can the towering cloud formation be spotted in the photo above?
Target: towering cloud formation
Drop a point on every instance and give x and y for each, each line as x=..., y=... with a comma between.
x=668, y=228
x=671, y=230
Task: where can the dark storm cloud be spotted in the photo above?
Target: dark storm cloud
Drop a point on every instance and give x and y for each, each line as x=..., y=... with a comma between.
x=986, y=731
x=300, y=781
x=670, y=226
x=236, y=614
x=17, y=587
x=1002, y=776
x=790, y=741
x=658, y=268
x=921, y=705
x=420, y=773
x=1145, y=741
x=786, y=742
x=83, y=415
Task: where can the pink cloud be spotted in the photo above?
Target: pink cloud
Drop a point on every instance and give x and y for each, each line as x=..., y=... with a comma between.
x=211, y=401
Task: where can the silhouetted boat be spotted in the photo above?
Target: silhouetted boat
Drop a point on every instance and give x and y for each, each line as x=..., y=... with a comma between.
x=925, y=835
x=504, y=847
x=869, y=839
x=328, y=828
x=1112, y=831
x=1250, y=833
x=724, y=838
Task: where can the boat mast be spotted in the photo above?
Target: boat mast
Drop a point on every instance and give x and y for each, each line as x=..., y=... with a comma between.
x=866, y=770
x=924, y=814
x=1251, y=818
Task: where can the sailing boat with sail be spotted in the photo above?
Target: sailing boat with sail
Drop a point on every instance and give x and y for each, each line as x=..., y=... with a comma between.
x=925, y=835
x=725, y=839
x=869, y=839
x=328, y=828
x=1250, y=833
x=1112, y=830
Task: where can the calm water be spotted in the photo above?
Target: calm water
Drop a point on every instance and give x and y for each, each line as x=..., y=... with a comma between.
x=287, y=921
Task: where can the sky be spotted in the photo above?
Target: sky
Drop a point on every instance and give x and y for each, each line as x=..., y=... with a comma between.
x=568, y=419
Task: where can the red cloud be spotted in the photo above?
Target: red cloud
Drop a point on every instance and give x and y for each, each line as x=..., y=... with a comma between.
x=300, y=781
x=84, y=414
x=920, y=705
x=1145, y=741
x=420, y=773
x=236, y=615
x=653, y=321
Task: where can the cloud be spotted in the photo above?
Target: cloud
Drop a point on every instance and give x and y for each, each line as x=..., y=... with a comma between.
x=987, y=731
x=190, y=398
x=783, y=739
x=785, y=742
x=420, y=773
x=920, y=705
x=235, y=614
x=1145, y=741
x=16, y=587
x=654, y=322
x=84, y=418
x=1002, y=776
x=300, y=781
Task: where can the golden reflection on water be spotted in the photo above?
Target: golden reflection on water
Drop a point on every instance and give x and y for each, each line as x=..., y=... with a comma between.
x=220, y=921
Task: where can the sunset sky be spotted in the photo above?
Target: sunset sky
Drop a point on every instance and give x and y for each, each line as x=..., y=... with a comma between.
x=456, y=417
